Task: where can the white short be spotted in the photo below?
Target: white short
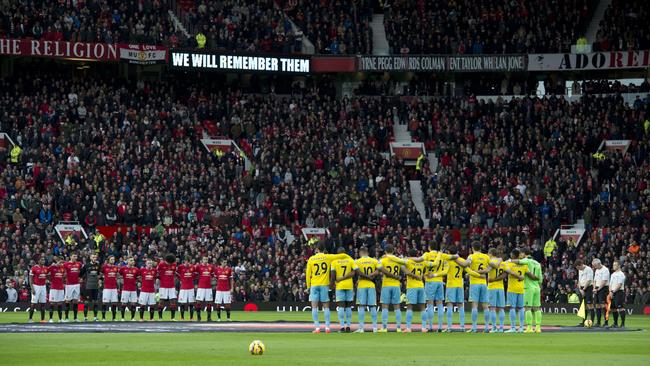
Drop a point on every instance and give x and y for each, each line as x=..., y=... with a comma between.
x=167, y=293
x=186, y=296
x=109, y=295
x=204, y=294
x=39, y=295
x=147, y=298
x=129, y=297
x=57, y=295
x=72, y=292
x=223, y=297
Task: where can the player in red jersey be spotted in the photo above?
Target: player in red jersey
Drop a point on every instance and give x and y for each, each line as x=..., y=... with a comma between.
x=225, y=284
x=205, y=272
x=72, y=288
x=57, y=276
x=129, y=294
x=147, y=291
x=37, y=280
x=187, y=275
x=167, y=291
x=109, y=295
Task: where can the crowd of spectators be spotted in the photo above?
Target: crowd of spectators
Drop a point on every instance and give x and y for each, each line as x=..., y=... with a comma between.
x=484, y=27
x=624, y=27
x=115, y=21
x=109, y=152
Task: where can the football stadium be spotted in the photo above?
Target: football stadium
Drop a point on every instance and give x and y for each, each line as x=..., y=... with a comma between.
x=324, y=182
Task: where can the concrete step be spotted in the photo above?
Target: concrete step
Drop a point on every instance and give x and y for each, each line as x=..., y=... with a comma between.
x=380, y=45
x=418, y=199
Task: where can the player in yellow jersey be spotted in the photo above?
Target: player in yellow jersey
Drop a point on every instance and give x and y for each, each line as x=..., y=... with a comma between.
x=434, y=290
x=390, y=288
x=367, y=269
x=343, y=271
x=317, y=276
x=516, y=273
x=479, y=263
x=415, y=289
x=496, y=295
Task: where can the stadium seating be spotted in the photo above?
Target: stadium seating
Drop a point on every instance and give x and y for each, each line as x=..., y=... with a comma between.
x=624, y=27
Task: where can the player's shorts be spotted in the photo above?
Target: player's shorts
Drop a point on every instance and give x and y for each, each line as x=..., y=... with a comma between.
x=415, y=296
x=109, y=295
x=186, y=296
x=367, y=296
x=91, y=294
x=167, y=293
x=319, y=293
x=223, y=297
x=589, y=295
x=204, y=294
x=532, y=297
x=478, y=293
x=434, y=291
x=497, y=298
x=601, y=296
x=56, y=295
x=390, y=295
x=147, y=298
x=129, y=297
x=72, y=292
x=345, y=295
x=618, y=300
x=515, y=300
x=455, y=295
x=39, y=296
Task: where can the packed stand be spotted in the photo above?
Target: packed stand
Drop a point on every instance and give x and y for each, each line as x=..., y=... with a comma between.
x=485, y=27
x=624, y=27
x=114, y=21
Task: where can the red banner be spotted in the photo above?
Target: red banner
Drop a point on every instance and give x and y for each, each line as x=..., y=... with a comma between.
x=59, y=49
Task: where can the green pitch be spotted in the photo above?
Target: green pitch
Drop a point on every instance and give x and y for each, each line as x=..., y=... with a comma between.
x=287, y=349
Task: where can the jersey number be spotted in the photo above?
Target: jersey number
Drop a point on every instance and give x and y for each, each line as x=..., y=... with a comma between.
x=457, y=272
x=320, y=267
x=519, y=272
x=418, y=271
x=393, y=270
x=368, y=271
x=345, y=269
x=480, y=266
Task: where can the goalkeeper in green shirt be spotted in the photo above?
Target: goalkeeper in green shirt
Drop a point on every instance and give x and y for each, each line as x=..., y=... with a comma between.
x=532, y=291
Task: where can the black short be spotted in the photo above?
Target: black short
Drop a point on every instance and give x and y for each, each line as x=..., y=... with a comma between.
x=90, y=294
x=601, y=296
x=589, y=295
x=618, y=299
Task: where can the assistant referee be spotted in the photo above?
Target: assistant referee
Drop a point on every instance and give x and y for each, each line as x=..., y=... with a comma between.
x=617, y=293
x=601, y=289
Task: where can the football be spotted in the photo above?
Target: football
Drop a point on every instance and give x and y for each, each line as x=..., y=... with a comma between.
x=257, y=348
x=588, y=323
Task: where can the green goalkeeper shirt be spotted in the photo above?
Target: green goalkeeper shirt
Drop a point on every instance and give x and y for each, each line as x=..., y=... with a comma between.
x=535, y=268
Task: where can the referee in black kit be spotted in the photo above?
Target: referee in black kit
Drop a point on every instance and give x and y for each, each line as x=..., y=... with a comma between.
x=617, y=292
x=601, y=289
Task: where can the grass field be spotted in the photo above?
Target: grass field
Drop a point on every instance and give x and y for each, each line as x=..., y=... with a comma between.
x=629, y=348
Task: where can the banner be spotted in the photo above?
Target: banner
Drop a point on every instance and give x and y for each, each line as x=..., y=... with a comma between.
x=407, y=150
x=588, y=61
x=228, y=62
x=460, y=63
x=143, y=54
x=617, y=145
x=317, y=232
x=58, y=49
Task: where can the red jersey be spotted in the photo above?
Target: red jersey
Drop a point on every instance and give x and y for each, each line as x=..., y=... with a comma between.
x=129, y=277
x=205, y=272
x=56, y=276
x=166, y=273
x=148, y=279
x=187, y=275
x=39, y=274
x=110, y=276
x=223, y=274
x=72, y=270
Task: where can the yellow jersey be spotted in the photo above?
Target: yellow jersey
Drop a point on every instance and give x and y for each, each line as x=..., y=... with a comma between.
x=479, y=262
x=393, y=267
x=367, y=266
x=494, y=273
x=516, y=285
x=438, y=266
x=317, y=272
x=455, y=274
x=418, y=269
x=343, y=267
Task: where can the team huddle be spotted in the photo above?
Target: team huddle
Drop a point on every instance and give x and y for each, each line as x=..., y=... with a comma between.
x=431, y=279
x=65, y=279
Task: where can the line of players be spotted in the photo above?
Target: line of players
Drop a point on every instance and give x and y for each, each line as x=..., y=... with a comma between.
x=108, y=276
x=425, y=286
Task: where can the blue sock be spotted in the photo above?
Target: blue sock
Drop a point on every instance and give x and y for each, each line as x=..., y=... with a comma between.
x=474, y=318
x=398, y=318
x=493, y=318
x=522, y=318
x=314, y=316
x=373, y=315
x=384, y=318
x=340, y=313
x=429, y=315
x=487, y=315
x=513, y=318
x=502, y=318
x=348, y=316
x=409, y=318
x=450, y=313
x=440, y=311
x=461, y=310
x=425, y=317
x=327, y=317
x=362, y=316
